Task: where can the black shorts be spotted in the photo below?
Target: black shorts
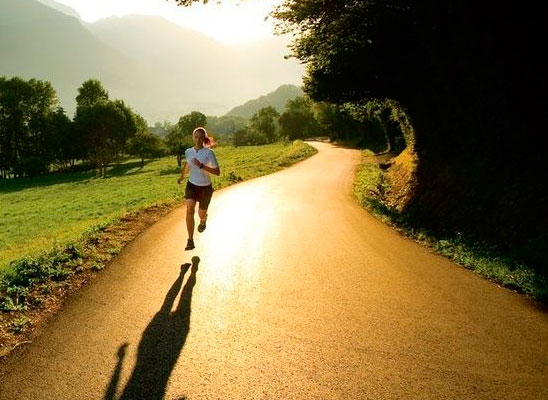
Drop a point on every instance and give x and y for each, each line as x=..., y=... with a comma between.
x=201, y=194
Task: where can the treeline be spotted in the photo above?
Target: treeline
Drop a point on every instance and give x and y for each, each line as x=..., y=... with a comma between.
x=378, y=125
x=36, y=135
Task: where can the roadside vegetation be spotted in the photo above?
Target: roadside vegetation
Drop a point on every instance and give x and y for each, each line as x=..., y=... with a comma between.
x=371, y=189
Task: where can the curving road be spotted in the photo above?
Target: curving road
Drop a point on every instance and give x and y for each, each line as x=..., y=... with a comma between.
x=294, y=292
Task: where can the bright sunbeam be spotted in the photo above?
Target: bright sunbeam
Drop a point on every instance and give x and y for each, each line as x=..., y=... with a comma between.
x=238, y=233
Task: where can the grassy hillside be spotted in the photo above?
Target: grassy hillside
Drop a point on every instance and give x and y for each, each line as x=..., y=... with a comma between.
x=36, y=215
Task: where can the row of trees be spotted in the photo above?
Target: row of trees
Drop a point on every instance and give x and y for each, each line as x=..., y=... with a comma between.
x=378, y=125
x=36, y=135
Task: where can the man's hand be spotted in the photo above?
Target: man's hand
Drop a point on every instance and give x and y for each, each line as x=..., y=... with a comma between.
x=179, y=180
x=196, y=162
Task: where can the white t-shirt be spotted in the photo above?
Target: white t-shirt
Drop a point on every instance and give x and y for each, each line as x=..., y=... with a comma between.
x=206, y=156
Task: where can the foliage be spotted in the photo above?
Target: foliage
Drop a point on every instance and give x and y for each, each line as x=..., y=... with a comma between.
x=223, y=128
x=298, y=119
x=265, y=123
x=486, y=260
x=180, y=138
x=147, y=145
x=30, y=166
x=387, y=117
x=26, y=112
x=248, y=137
x=64, y=143
x=261, y=129
x=105, y=128
x=90, y=93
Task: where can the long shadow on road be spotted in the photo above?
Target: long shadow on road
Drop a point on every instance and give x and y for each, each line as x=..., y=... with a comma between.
x=160, y=345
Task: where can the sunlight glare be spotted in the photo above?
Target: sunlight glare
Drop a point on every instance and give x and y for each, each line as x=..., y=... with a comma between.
x=230, y=22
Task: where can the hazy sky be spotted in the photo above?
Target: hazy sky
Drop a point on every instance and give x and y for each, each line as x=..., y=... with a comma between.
x=231, y=22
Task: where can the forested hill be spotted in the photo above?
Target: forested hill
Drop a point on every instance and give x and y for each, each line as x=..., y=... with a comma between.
x=276, y=99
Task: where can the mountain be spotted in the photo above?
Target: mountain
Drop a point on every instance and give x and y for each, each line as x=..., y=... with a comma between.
x=206, y=75
x=276, y=99
x=62, y=8
x=160, y=69
x=37, y=41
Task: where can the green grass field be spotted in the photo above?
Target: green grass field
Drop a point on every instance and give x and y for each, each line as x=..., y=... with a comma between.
x=39, y=214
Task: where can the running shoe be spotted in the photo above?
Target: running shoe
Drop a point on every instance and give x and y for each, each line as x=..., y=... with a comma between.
x=202, y=226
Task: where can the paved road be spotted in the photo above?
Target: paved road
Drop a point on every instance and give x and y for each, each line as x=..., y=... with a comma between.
x=293, y=292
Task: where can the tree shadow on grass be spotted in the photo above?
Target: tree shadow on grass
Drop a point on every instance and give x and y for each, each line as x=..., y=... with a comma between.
x=170, y=171
x=81, y=175
x=160, y=345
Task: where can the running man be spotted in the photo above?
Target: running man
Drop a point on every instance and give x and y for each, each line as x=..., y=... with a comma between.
x=200, y=161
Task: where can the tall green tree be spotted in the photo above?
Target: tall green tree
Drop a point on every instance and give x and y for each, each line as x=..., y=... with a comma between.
x=466, y=72
x=180, y=138
x=145, y=144
x=61, y=139
x=90, y=93
x=223, y=128
x=105, y=128
x=265, y=123
x=298, y=121
x=25, y=108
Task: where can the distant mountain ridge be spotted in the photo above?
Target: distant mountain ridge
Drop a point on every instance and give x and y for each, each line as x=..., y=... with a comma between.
x=161, y=70
x=37, y=41
x=62, y=8
x=276, y=99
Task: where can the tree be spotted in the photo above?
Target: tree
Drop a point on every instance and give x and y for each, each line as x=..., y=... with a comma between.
x=90, y=93
x=180, y=138
x=145, y=144
x=62, y=143
x=133, y=122
x=248, y=136
x=264, y=122
x=187, y=123
x=466, y=73
x=224, y=128
x=298, y=121
x=25, y=108
x=105, y=128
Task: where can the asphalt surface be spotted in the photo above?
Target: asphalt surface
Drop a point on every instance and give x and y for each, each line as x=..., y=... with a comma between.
x=293, y=292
